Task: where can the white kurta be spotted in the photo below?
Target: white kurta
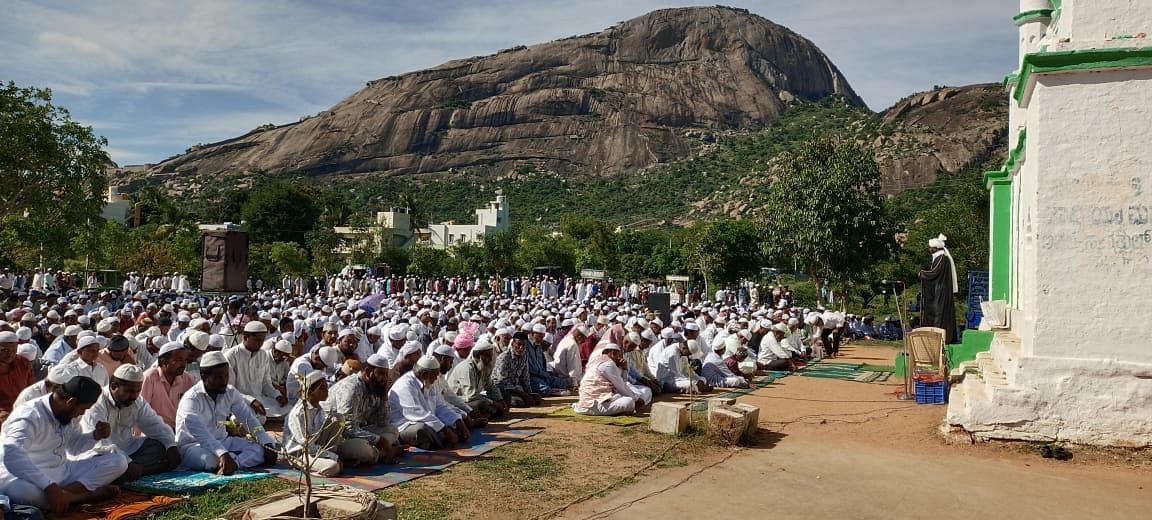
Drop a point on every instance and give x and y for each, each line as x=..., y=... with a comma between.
x=251, y=375
x=38, y=451
x=410, y=402
x=95, y=371
x=567, y=359
x=123, y=422
x=200, y=425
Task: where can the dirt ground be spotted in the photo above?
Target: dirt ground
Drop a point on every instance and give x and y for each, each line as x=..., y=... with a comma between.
x=838, y=449
x=826, y=449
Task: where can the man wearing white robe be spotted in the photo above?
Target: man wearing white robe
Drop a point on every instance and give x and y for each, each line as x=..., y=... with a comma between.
x=419, y=411
x=47, y=459
x=566, y=358
x=674, y=374
x=717, y=373
x=204, y=441
x=85, y=364
x=154, y=449
x=251, y=373
x=772, y=355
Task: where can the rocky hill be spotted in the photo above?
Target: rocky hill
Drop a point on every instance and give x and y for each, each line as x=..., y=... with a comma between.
x=599, y=104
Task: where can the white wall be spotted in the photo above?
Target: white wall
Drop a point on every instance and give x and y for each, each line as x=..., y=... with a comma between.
x=1094, y=191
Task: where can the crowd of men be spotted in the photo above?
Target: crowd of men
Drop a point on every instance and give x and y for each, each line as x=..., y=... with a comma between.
x=98, y=388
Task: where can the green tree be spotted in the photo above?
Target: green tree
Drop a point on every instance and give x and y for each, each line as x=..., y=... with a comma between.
x=50, y=166
x=288, y=258
x=723, y=251
x=280, y=212
x=827, y=211
x=500, y=249
x=426, y=261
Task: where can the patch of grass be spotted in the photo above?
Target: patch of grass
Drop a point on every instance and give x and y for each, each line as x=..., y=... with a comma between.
x=528, y=471
x=414, y=506
x=215, y=502
x=875, y=343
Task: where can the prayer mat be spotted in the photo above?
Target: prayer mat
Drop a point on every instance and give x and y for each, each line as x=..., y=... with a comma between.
x=844, y=372
x=127, y=505
x=416, y=463
x=182, y=482
x=759, y=382
x=566, y=413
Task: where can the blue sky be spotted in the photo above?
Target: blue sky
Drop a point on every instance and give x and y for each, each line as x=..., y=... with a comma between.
x=158, y=77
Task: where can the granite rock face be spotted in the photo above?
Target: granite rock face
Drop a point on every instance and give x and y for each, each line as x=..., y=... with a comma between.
x=598, y=104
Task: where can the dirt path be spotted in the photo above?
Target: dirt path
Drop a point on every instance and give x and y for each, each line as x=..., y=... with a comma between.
x=836, y=449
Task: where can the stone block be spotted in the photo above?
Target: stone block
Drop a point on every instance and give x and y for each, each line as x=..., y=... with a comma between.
x=669, y=418
x=341, y=507
x=726, y=426
x=719, y=402
x=751, y=416
x=289, y=507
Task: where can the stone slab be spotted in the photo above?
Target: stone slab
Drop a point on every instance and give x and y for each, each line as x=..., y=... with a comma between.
x=751, y=417
x=726, y=425
x=668, y=418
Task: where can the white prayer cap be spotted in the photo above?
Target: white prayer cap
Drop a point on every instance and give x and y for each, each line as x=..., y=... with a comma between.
x=60, y=374
x=667, y=333
x=780, y=327
x=212, y=359
x=283, y=346
x=481, y=346
x=610, y=346
x=632, y=338
x=503, y=332
x=428, y=363
x=312, y=378
x=937, y=242
x=691, y=326
x=216, y=341
x=346, y=332
x=330, y=356
x=198, y=339
x=84, y=342
x=73, y=330
x=730, y=343
x=444, y=350
x=408, y=349
x=255, y=327
x=539, y=328
x=196, y=323
x=23, y=334
x=398, y=332
x=171, y=346
x=374, y=331
x=648, y=335
x=793, y=321
x=8, y=337
x=378, y=361
x=642, y=322
x=129, y=372
x=27, y=351
x=56, y=329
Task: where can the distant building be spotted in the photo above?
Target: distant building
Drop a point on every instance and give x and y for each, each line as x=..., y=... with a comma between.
x=116, y=205
x=395, y=227
x=491, y=218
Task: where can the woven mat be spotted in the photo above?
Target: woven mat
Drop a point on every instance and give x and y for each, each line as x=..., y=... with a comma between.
x=759, y=382
x=845, y=372
x=127, y=505
x=416, y=463
x=566, y=413
x=182, y=482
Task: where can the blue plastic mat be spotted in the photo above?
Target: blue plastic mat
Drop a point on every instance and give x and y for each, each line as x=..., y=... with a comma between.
x=180, y=482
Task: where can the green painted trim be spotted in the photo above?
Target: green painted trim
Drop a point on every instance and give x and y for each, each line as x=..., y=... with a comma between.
x=1011, y=79
x=1044, y=62
x=971, y=343
x=1032, y=16
x=1000, y=241
x=1013, y=162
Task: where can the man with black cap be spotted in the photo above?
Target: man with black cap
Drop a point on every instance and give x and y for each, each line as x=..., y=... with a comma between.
x=119, y=406
x=46, y=458
x=206, y=444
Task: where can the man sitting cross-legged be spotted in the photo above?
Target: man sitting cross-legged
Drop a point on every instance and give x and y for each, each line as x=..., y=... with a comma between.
x=205, y=442
x=48, y=460
x=120, y=407
x=418, y=410
x=471, y=379
x=603, y=390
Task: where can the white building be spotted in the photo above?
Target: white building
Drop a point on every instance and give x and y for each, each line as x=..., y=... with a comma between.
x=492, y=218
x=1071, y=235
x=116, y=205
x=396, y=226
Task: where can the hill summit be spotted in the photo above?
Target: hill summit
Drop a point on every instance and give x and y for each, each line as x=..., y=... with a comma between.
x=639, y=93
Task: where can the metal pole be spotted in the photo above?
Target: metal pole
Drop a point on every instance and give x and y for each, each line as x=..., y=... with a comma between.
x=904, y=341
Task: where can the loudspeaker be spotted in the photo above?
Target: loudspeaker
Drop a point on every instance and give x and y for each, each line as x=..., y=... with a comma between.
x=225, y=264
x=658, y=304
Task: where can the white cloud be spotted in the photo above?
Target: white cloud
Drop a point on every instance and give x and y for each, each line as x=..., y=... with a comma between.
x=160, y=72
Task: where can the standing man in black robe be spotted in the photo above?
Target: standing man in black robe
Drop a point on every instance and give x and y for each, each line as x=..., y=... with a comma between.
x=938, y=289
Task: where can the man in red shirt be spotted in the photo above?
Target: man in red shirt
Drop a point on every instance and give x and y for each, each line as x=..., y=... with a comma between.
x=15, y=373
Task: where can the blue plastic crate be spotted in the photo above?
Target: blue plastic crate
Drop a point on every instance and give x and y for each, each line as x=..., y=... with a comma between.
x=931, y=392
